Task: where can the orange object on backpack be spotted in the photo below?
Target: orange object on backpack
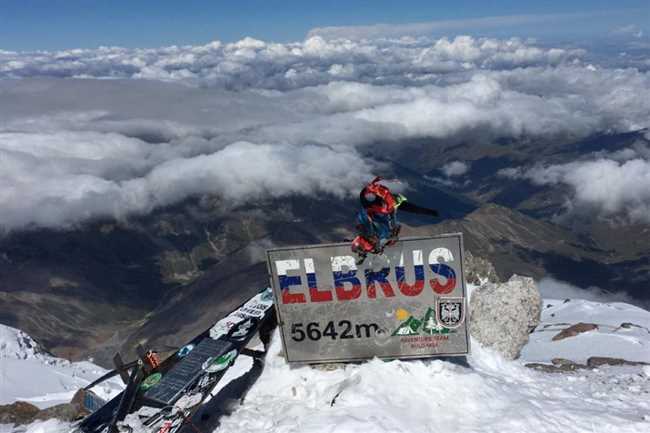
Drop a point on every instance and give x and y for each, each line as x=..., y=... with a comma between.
x=152, y=359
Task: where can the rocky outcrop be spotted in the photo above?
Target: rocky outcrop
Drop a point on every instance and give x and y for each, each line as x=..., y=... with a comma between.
x=574, y=330
x=478, y=270
x=19, y=412
x=559, y=365
x=502, y=315
x=597, y=361
x=22, y=412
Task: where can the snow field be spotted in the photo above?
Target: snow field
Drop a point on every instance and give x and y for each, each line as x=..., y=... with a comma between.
x=492, y=395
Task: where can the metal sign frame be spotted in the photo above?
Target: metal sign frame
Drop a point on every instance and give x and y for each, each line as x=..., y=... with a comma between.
x=448, y=300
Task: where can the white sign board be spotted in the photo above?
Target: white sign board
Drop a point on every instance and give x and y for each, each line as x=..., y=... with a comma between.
x=409, y=302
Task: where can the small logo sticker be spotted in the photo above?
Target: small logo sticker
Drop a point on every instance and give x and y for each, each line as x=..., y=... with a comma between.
x=185, y=350
x=451, y=312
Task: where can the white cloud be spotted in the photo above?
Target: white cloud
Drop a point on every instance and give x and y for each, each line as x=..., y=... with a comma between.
x=639, y=150
x=76, y=149
x=551, y=288
x=611, y=185
x=528, y=102
x=253, y=63
x=428, y=28
x=512, y=172
x=455, y=168
x=629, y=30
x=606, y=185
x=49, y=190
x=242, y=171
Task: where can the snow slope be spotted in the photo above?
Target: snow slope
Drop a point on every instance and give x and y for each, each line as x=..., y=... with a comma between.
x=436, y=396
x=49, y=426
x=30, y=374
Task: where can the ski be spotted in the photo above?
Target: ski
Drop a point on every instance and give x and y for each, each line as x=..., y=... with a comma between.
x=124, y=369
x=128, y=398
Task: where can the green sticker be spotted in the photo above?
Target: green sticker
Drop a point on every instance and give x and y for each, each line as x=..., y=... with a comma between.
x=219, y=363
x=150, y=381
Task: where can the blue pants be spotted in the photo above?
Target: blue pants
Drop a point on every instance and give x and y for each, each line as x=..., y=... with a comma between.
x=380, y=226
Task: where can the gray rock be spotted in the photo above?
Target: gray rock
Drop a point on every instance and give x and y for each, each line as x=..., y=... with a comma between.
x=502, y=315
x=66, y=411
x=478, y=270
x=22, y=412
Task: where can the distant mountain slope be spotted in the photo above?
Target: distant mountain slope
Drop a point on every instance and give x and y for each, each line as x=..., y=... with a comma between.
x=85, y=290
x=203, y=259
x=517, y=243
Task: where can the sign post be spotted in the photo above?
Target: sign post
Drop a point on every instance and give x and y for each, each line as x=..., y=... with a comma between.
x=409, y=302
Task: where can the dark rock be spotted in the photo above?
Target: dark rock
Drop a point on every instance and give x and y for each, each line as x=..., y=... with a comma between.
x=561, y=361
x=561, y=365
x=597, y=361
x=565, y=367
x=574, y=330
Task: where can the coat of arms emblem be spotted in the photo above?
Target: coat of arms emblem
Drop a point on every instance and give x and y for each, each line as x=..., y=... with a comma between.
x=451, y=312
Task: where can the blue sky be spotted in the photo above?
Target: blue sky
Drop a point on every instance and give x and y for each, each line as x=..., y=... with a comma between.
x=56, y=24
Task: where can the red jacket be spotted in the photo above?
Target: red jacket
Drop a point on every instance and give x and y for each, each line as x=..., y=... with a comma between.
x=384, y=203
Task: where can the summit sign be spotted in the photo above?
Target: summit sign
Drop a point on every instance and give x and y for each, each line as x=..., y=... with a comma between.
x=409, y=302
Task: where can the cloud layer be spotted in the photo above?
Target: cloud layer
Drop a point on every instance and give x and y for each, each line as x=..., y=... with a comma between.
x=429, y=28
x=254, y=63
x=71, y=188
x=255, y=119
x=610, y=184
x=550, y=288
